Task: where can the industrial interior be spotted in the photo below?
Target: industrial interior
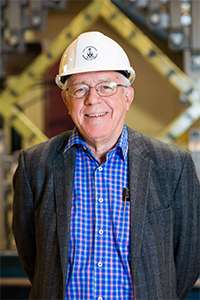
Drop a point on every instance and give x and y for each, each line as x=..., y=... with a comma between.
x=162, y=39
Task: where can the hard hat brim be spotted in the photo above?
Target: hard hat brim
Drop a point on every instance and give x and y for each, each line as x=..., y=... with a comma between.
x=61, y=79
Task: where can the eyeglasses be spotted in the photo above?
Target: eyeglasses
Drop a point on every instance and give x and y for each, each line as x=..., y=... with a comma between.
x=103, y=89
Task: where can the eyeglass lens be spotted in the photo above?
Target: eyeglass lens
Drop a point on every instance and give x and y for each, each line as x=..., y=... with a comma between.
x=105, y=89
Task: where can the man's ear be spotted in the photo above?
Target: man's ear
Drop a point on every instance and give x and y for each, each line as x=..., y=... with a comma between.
x=63, y=97
x=129, y=96
x=65, y=100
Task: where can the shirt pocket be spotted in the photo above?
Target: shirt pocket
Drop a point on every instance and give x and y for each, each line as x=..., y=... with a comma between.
x=123, y=228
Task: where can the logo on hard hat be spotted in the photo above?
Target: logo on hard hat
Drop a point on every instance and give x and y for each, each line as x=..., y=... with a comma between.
x=89, y=53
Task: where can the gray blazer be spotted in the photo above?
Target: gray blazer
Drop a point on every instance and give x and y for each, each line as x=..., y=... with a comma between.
x=164, y=217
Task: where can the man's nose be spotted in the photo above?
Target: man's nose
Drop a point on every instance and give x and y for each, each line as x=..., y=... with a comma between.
x=92, y=97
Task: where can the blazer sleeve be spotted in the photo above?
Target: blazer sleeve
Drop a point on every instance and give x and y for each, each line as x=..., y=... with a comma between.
x=187, y=228
x=23, y=218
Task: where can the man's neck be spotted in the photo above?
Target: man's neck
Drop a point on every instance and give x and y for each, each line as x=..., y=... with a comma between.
x=100, y=149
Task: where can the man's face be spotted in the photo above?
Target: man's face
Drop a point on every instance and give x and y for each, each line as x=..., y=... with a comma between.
x=99, y=119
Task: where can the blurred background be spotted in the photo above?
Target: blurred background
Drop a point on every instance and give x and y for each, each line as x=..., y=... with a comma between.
x=162, y=39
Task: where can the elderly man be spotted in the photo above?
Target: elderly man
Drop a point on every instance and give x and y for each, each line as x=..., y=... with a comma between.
x=104, y=212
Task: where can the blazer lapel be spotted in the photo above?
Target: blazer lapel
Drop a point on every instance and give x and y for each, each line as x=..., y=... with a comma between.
x=63, y=179
x=139, y=179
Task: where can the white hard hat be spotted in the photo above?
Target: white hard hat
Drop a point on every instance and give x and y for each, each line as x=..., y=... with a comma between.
x=90, y=52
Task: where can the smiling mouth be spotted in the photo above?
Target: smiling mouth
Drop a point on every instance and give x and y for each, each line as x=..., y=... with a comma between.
x=96, y=115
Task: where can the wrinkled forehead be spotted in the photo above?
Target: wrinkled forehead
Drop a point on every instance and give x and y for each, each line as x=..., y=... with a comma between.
x=95, y=77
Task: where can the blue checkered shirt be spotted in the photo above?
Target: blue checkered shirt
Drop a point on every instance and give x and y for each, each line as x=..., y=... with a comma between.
x=98, y=259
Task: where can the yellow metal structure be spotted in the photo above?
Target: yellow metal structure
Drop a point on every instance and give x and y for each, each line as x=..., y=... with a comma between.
x=120, y=23
x=136, y=38
x=19, y=85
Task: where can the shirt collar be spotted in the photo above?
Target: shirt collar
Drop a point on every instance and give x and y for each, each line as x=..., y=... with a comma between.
x=76, y=139
x=123, y=142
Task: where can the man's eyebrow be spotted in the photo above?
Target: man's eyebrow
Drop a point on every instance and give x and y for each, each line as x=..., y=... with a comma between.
x=97, y=81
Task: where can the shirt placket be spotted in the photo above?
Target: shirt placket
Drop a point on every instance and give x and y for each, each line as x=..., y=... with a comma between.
x=100, y=201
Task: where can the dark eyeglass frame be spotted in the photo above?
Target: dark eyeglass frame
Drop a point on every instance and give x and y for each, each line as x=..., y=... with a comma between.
x=112, y=84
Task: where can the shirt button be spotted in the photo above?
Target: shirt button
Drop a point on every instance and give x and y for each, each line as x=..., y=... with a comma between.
x=100, y=200
x=101, y=231
x=99, y=264
x=100, y=168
